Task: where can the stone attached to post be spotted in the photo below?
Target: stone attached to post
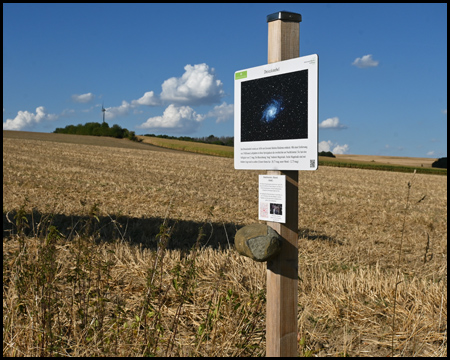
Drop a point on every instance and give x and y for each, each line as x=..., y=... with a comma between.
x=259, y=242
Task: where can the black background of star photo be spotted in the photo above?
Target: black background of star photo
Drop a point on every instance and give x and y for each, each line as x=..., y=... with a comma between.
x=290, y=123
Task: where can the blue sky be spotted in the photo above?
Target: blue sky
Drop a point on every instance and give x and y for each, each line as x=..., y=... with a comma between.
x=169, y=69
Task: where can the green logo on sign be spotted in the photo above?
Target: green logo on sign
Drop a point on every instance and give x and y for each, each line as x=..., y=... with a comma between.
x=240, y=75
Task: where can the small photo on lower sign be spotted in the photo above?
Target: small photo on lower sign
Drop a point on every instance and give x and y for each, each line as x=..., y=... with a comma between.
x=276, y=209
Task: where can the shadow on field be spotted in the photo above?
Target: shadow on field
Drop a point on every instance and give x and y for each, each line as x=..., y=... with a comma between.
x=314, y=236
x=183, y=234
x=145, y=231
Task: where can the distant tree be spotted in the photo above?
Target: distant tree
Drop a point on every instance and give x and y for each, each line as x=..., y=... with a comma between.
x=440, y=163
x=230, y=141
x=116, y=131
x=327, y=153
x=80, y=130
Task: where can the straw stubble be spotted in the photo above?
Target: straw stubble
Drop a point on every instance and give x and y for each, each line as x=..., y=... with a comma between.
x=350, y=228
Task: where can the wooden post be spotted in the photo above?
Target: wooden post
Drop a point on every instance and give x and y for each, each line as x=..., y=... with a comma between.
x=282, y=271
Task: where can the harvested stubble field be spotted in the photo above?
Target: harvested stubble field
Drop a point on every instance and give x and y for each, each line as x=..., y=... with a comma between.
x=103, y=255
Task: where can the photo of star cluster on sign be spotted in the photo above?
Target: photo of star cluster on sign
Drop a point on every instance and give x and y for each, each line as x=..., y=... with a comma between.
x=275, y=107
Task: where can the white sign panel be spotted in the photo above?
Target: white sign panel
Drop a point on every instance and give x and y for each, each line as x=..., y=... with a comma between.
x=272, y=198
x=276, y=115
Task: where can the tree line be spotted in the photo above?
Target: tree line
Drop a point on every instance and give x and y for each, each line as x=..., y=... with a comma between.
x=97, y=129
x=211, y=139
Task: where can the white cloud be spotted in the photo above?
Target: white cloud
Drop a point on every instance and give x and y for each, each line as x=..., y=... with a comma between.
x=340, y=149
x=430, y=153
x=148, y=99
x=122, y=110
x=365, y=62
x=325, y=145
x=176, y=118
x=444, y=111
x=334, y=148
x=83, y=98
x=198, y=85
x=222, y=112
x=332, y=123
x=25, y=119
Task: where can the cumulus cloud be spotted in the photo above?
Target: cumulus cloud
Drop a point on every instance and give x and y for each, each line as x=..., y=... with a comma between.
x=430, y=153
x=83, y=98
x=222, y=112
x=148, y=99
x=340, y=149
x=365, y=62
x=25, y=119
x=325, y=145
x=333, y=147
x=198, y=85
x=332, y=123
x=122, y=110
x=175, y=118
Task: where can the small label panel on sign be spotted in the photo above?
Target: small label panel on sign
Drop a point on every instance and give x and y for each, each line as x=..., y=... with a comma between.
x=272, y=198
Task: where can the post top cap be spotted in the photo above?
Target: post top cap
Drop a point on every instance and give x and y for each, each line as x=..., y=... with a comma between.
x=285, y=16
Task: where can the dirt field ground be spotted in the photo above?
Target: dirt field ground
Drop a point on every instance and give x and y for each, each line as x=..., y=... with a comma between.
x=110, y=289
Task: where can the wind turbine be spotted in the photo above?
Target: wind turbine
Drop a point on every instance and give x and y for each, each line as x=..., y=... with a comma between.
x=103, y=111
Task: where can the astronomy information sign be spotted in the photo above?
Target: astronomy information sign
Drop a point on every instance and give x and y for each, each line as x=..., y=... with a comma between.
x=276, y=115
